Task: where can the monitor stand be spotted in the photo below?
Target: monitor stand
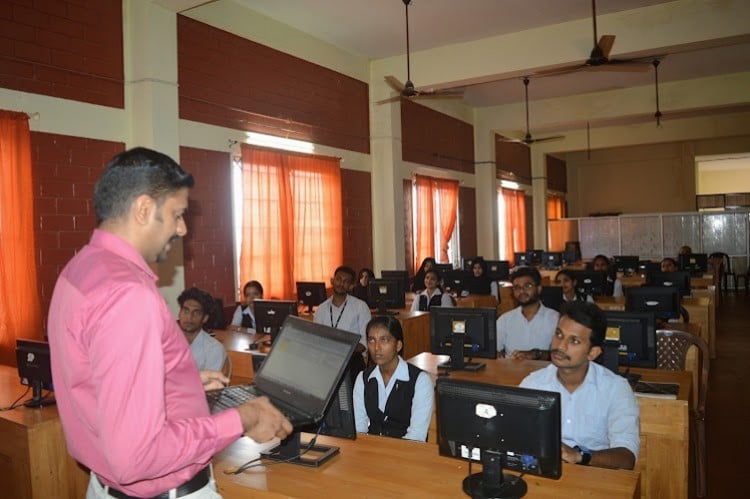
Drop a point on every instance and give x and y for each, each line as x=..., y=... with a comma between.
x=36, y=399
x=457, y=362
x=492, y=482
x=309, y=310
x=290, y=451
x=382, y=310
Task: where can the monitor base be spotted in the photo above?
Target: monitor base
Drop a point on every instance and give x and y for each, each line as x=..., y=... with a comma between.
x=468, y=366
x=510, y=486
x=44, y=402
x=290, y=451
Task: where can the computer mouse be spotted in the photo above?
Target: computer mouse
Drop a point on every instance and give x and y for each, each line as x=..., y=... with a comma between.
x=252, y=346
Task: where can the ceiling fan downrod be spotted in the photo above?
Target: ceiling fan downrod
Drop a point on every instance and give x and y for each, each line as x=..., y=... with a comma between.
x=657, y=114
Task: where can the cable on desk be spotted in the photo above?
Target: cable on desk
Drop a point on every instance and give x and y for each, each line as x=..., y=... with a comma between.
x=15, y=403
x=253, y=463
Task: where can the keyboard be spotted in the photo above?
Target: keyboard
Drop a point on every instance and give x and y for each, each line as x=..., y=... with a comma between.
x=229, y=397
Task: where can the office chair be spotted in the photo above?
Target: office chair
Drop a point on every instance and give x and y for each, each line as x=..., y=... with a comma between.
x=725, y=269
x=671, y=352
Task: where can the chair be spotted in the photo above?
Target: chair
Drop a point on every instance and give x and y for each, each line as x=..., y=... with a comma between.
x=226, y=369
x=671, y=353
x=725, y=269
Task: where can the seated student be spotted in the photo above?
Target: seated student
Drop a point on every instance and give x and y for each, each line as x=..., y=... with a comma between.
x=195, y=307
x=668, y=265
x=359, y=289
x=418, y=282
x=685, y=250
x=567, y=281
x=243, y=315
x=432, y=295
x=479, y=283
x=600, y=416
x=614, y=284
x=526, y=331
x=392, y=398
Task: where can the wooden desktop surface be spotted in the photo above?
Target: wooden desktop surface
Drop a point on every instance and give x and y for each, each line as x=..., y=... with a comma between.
x=382, y=467
x=664, y=455
x=34, y=461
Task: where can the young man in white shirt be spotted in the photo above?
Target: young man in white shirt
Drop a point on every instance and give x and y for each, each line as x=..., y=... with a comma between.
x=195, y=308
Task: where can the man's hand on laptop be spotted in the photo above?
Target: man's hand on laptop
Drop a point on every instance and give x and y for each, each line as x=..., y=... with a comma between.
x=262, y=421
x=213, y=380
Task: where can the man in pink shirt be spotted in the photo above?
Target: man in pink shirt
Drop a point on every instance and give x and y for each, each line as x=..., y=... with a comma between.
x=128, y=391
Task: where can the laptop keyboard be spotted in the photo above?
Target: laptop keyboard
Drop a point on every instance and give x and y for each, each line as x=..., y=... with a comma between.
x=232, y=396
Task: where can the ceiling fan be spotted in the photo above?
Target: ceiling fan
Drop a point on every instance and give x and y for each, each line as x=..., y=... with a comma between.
x=407, y=89
x=599, y=57
x=528, y=139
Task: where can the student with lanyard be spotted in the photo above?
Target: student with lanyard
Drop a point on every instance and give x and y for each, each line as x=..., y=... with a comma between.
x=392, y=398
x=347, y=312
x=244, y=314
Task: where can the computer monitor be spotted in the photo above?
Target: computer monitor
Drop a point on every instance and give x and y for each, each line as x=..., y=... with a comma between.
x=339, y=417
x=34, y=369
x=626, y=263
x=648, y=267
x=572, y=251
x=534, y=256
x=637, y=337
x=521, y=259
x=591, y=282
x=463, y=332
x=679, y=280
x=311, y=294
x=663, y=301
x=401, y=275
x=456, y=281
x=498, y=270
x=383, y=294
x=442, y=268
x=695, y=263
x=552, y=297
x=504, y=427
x=469, y=261
x=271, y=314
x=552, y=259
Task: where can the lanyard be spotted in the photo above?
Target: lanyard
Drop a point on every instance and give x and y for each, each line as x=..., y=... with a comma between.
x=340, y=314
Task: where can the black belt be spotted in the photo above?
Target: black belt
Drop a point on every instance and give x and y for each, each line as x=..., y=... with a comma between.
x=199, y=481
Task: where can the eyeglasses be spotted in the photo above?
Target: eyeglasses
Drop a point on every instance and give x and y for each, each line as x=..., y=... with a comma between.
x=528, y=286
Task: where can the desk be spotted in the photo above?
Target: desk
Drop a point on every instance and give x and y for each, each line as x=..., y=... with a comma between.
x=34, y=461
x=384, y=467
x=664, y=456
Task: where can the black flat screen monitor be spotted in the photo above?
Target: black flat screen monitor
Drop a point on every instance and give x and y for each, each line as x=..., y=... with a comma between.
x=271, y=314
x=463, y=332
x=311, y=294
x=695, y=263
x=591, y=282
x=469, y=261
x=648, y=267
x=663, y=301
x=552, y=297
x=626, y=263
x=534, y=256
x=339, y=417
x=504, y=427
x=637, y=337
x=498, y=270
x=383, y=294
x=521, y=259
x=552, y=259
x=401, y=275
x=442, y=268
x=34, y=369
x=679, y=280
x=456, y=281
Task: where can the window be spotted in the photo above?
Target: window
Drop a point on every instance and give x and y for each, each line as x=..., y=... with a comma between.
x=290, y=224
x=435, y=213
x=511, y=215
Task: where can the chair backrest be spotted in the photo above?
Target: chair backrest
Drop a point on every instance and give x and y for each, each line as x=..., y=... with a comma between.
x=726, y=262
x=671, y=354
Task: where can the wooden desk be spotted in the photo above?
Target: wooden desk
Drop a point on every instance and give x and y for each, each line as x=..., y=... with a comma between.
x=384, y=467
x=664, y=455
x=477, y=301
x=34, y=461
x=416, y=327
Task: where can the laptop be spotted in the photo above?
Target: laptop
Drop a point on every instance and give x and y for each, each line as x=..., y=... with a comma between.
x=300, y=375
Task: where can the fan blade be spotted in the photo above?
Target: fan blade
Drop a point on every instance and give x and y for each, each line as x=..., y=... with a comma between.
x=391, y=99
x=423, y=95
x=622, y=66
x=545, y=139
x=393, y=82
x=559, y=71
x=605, y=44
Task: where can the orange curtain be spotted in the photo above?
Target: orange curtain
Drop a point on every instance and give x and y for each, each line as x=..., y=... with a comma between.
x=291, y=219
x=20, y=311
x=425, y=226
x=445, y=193
x=555, y=207
x=514, y=222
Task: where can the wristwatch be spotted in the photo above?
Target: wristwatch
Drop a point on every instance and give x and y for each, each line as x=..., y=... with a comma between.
x=585, y=455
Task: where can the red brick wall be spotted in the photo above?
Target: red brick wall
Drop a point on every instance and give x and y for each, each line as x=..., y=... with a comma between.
x=356, y=199
x=207, y=247
x=433, y=138
x=513, y=161
x=230, y=81
x=63, y=48
x=65, y=170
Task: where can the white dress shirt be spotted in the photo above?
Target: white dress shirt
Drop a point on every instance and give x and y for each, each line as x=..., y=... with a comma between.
x=515, y=332
x=353, y=316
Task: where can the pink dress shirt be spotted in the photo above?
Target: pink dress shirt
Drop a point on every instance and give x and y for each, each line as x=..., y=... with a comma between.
x=128, y=391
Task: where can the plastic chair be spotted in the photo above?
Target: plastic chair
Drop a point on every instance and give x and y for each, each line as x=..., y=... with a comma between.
x=725, y=269
x=671, y=352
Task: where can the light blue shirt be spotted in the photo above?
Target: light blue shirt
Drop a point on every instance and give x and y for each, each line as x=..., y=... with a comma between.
x=421, y=404
x=208, y=352
x=602, y=413
x=514, y=332
x=353, y=316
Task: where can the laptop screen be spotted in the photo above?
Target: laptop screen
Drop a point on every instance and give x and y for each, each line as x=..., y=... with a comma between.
x=306, y=362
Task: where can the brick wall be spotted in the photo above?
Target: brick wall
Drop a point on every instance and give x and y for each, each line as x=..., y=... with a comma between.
x=207, y=247
x=356, y=200
x=63, y=48
x=230, y=81
x=65, y=170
